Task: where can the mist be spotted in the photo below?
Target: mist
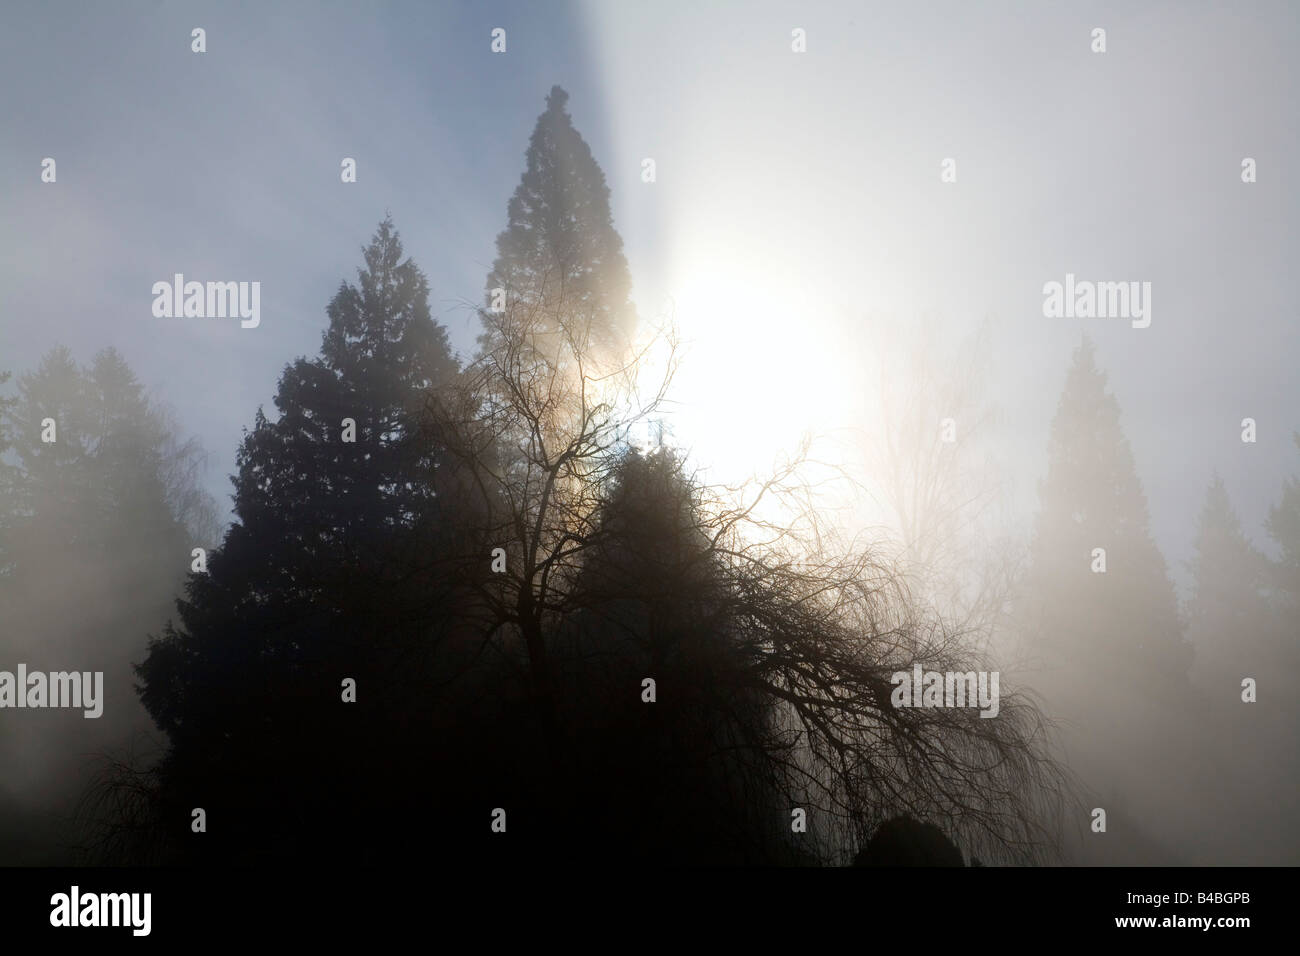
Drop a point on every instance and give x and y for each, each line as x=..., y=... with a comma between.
x=763, y=353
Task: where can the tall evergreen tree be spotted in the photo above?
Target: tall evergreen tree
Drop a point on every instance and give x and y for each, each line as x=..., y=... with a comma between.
x=8, y=490
x=1123, y=621
x=1284, y=528
x=6, y=402
x=548, y=400
x=89, y=514
x=325, y=576
x=94, y=549
x=6, y=479
x=1106, y=647
x=559, y=252
x=773, y=665
x=653, y=598
x=1228, y=615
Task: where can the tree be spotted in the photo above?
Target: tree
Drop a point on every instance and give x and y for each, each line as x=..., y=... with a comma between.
x=1281, y=652
x=905, y=841
x=7, y=474
x=1098, y=613
x=538, y=423
x=652, y=603
x=925, y=467
x=1241, y=623
x=506, y=584
x=1122, y=623
x=559, y=249
x=1284, y=528
x=775, y=657
x=1228, y=614
x=326, y=575
x=556, y=391
x=775, y=649
x=98, y=527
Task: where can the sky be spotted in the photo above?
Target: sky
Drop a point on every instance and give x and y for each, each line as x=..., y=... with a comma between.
x=797, y=201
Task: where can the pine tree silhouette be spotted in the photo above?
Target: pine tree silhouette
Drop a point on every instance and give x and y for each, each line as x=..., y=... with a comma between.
x=326, y=574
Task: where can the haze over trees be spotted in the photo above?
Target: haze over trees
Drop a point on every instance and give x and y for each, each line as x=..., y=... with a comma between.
x=475, y=609
x=543, y=612
x=1092, y=500
x=1098, y=614
x=930, y=469
x=101, y=511
x=1230, y=592
x=323, y=577
x=1149, y=693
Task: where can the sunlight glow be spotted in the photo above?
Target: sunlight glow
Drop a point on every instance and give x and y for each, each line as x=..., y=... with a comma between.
x=756, y=373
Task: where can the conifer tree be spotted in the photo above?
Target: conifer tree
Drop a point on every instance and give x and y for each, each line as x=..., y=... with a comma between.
x=6, y=476
x=95, y=534
x=325, y=576
x=559, y=251
x=1228, y=615
x=1283, y=588
x=1284, y=528
x=1123, y=620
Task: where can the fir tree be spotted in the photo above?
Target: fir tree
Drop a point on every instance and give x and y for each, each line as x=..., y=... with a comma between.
x=94, y=546
x=326, y=574
x=1227, y=615
x=1284, y=528
x=1124, y=621
x=559, y=253
x=7, y=490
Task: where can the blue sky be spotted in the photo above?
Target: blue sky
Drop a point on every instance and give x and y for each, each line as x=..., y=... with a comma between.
x=225, y=165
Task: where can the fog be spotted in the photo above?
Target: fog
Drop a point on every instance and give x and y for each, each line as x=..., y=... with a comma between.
x=849, y=221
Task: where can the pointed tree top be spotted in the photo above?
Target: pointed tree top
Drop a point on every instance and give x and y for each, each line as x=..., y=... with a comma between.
x=560, y=244
x=1086, y=351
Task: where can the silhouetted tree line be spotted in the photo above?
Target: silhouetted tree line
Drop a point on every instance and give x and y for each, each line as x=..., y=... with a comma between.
x=540, y=610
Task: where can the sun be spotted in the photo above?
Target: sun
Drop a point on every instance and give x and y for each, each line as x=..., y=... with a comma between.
x=760, y=369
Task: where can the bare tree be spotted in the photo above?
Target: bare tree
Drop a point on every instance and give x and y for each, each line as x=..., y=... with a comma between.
x=536, y=424
x=827, y=628
x=931, y=471
x=810, y=627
